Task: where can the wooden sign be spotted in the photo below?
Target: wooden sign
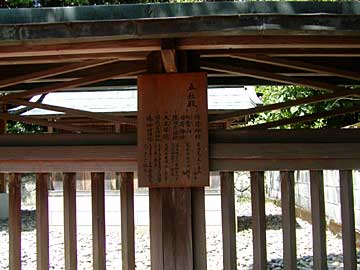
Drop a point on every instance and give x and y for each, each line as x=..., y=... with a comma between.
x=173, y=130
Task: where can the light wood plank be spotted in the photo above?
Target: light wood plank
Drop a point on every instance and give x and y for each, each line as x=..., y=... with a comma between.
x=348, y=219
x=15, y=222
x=258, y=220
x=70, y=235
x=127, y=221
x=288, y=219
x=98, y=220
x=42, y=221
x=318, y=219
x=168, y=54
x=228, y=220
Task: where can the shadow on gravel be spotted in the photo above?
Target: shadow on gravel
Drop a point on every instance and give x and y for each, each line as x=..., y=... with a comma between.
x=28, y=221
x=273, y=222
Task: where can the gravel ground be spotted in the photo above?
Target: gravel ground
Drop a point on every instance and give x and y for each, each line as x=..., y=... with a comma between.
x=214, y=244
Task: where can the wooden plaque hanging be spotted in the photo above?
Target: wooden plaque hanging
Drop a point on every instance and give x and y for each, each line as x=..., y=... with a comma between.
x=173, y=130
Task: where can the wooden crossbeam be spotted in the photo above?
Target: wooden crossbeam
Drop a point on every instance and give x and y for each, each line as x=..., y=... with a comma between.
x=264, y=75
x=305, y=118
x=282, y=105
x=168, y=55
x=261, y=58
x=40, y=122
x=54, y=71
x=103, y=74
x=100, y=116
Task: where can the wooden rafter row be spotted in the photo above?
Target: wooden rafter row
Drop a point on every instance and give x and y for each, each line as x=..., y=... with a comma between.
x=26, y=109
x=305, y=118
x=261, y=58
x=75, y=112
x=282, y=105
x=264, y=75
x=128, y=68
x=45, y=123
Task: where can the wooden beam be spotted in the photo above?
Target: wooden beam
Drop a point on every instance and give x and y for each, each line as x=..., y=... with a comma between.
x=2, y=131
x=104, y=73
x=15, y=221
x=258, y=220
x=127, y=221
x=282, y=105
x=318, y=220
x=264, y=75
x=168, y=54
x=264, y=59
x=305, y=118
x=288, y=219
x=228, y=220
x=70, y=235
x=42, y=221
x=45, y=123
x=54, y=71
x=98, y=220
x=348, y=219
x=100, y=116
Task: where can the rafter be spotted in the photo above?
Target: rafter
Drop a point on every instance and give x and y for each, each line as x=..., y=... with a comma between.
x=261, y=58
x=264, y=75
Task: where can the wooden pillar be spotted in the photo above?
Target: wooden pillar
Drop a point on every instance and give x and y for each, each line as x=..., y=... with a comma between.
x=228, y=220
x=98, y=220
x=42, y=221
x=258, y=220
x=347, y=219
x=127, y=221
x=318, y=219
x=70, y=236
x=15, y=221
x=288, y=219
x=2, y=131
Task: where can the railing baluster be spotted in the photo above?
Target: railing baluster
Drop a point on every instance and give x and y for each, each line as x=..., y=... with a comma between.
x=15, y=221
x=288, y=219
x=42, y=221
x=258, y=220
x=348, y=220
x=228, y=220
x=127, y=221
x=98, y=220
x=318, y=219
x=70, y=236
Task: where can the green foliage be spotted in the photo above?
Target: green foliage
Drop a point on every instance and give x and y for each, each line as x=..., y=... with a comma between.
x=21, y=128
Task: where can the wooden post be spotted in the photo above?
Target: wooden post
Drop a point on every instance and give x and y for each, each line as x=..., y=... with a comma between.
x=347, y=219
x=98, y=220
x=318, y=219
x=228, y=220
x=258, y=220
x=2, y=131
x=70, y=236
x=15, y=221
x=288, y=219
x=127, y=221
x=42, y=221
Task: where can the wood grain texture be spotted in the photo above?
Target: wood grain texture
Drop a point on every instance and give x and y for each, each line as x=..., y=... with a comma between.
x=258, y=220
x=2, y=131
x=70, y=234
x=98, y=220
x=318, y=219
x=15, y=221
x=127, y=221
x=228, y=220
x=348, y=219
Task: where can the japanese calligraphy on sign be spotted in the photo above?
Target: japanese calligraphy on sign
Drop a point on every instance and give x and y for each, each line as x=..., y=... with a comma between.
x=173, y=130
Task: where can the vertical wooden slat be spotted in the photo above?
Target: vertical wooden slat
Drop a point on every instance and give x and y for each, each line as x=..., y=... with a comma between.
x=258, y=220
x=288, y=219
x=15, y=222
x=228, y=220
x=318, y=219
x=98, y=220
x=198, y=228
x=348, y=219
x=70, y=236
x=42, y=221
x=2, y=183
x=127, y=221
x=2, y=131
